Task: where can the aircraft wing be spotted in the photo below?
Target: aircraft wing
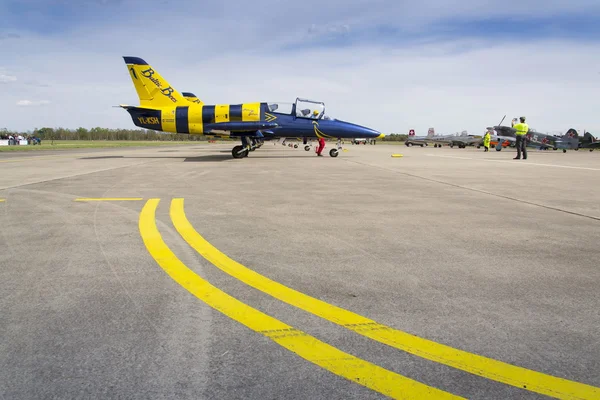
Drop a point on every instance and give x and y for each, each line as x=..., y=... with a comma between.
x=593, y=145
x=239, y=126
x=505, y=130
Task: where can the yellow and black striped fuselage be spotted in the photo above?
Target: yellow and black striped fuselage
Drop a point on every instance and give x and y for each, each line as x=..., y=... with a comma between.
x=196, y=118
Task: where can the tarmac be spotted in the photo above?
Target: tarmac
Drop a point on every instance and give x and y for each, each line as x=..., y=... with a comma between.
x=184, y=273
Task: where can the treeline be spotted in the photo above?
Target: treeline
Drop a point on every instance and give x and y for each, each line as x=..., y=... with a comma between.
x=128, y=134
x=105, y=134
x=395, y=137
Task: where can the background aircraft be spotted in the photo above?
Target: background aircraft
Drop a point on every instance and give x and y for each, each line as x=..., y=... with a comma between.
x=412, y=139
x=587, y=141
x=463, y=140
x=569, y=140
x=163, y=108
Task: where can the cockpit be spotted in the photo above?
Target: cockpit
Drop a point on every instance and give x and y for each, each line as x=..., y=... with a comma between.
x=302, y=108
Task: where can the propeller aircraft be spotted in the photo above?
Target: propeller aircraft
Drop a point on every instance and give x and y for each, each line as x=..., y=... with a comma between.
x=163, y=108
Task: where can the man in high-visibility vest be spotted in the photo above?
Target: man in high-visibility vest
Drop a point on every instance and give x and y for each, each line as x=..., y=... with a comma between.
x=522, y=129
x=486, y=141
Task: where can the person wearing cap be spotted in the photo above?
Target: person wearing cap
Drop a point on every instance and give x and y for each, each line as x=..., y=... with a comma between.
x=522, y=129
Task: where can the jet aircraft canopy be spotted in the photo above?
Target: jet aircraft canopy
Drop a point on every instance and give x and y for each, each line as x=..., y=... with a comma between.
x=302, y=108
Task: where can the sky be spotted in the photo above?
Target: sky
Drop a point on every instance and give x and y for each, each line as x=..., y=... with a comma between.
x=391, y=65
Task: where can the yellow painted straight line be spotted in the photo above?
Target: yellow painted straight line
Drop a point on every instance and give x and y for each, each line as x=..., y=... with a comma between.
x=475, y=364
x=111, y=199
x=2, y=200
x=332, y=359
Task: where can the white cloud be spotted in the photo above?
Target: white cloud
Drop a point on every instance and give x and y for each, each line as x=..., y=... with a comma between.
x=7, y=78
x=26, y=103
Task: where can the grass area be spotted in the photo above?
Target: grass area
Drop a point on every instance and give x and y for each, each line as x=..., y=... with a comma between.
x=90, y=144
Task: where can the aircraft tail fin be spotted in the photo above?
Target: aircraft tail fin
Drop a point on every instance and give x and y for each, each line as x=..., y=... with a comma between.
x=431, y=133
x=152, y=89
x=589, y=137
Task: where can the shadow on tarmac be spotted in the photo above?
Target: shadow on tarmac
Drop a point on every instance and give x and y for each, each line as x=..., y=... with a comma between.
x=202, y=158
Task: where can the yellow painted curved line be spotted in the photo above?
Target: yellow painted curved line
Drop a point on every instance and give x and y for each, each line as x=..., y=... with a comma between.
x=475, y=364
x=326, y=356
x=319, y=133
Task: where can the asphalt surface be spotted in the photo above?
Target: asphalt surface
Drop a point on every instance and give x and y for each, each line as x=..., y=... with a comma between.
x=491, y=256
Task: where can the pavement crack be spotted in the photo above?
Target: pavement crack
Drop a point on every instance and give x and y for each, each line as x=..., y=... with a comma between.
x=478, y=191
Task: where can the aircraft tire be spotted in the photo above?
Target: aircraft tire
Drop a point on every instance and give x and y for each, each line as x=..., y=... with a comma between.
x=333, y=153
x=235, y=152
x=295, y=146
x=564, y=150
x=307, y=148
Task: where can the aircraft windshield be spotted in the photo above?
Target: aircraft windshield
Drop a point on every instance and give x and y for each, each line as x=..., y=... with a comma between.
x=304, y=109
x=281, y=108
x=309, y=109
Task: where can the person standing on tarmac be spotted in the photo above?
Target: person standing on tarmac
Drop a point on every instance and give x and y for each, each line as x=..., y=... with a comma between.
x=522, y=129
x=486, y=141
x=321, y=146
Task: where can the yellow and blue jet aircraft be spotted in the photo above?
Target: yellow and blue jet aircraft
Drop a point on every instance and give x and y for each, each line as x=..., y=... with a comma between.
x=163, y=108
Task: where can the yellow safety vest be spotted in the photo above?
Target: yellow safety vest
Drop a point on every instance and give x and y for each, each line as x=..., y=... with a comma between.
x=521, y=128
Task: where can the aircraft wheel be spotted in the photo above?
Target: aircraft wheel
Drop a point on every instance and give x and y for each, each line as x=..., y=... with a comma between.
x=591, y=150
x=295, y=146
x=333, y=153
x=576, y=149
x=421, y=145
x=307, y=148
x=564, y=150
x=239, y=152
x=409, y=144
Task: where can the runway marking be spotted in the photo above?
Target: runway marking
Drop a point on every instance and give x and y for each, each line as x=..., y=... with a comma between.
x=475, y=364
x=322, y=354
x=521, y=162
x=2, y=200
x=111, y=199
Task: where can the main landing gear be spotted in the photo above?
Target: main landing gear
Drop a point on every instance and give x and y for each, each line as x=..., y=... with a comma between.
x=248, y=145
x=251, y=143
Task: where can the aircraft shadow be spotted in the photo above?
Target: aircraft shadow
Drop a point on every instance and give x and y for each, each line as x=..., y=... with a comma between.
x=200, y=158
x=205, y=158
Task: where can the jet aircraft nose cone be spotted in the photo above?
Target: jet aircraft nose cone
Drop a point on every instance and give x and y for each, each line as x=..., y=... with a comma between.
x=381, y=136
x=368, y=132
